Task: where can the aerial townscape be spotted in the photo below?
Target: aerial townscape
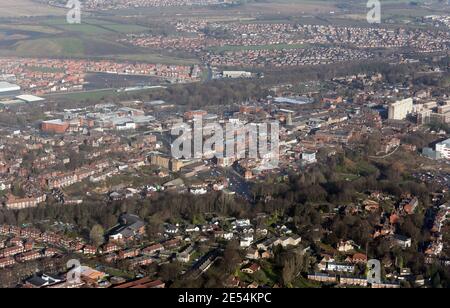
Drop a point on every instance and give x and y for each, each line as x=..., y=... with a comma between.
x=354, y=116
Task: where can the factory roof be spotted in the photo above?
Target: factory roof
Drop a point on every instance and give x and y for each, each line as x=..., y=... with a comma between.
x=8, y=87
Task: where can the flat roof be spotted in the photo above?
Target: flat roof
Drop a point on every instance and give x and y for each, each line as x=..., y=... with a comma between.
x=56, y=121
x=11, y=102
x=30, y=98
x=291, y=100
x=7, y=87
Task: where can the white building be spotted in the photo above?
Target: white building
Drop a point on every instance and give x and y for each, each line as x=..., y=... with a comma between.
x=338, y=267
x=443, y=148
x=126, y=126
x=246, y=241
x=400, y=109
x=309, y=157
x=236, y=74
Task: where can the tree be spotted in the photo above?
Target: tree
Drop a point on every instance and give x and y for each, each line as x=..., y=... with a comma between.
x=96, y=235
x=231, y=257
x=288, y=272
x=170, y=271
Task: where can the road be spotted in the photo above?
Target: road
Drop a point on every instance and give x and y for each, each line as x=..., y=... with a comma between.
x=236, y=183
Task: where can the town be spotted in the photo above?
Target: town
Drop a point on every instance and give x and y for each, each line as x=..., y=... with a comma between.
x=93, y=196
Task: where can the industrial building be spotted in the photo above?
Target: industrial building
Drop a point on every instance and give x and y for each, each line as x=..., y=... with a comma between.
x=8, y=89
x=54, y=126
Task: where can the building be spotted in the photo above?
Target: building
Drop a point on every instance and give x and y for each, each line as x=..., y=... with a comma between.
x=251, y=269
x=129, y=227
x=142, y=283
x=353, y=281
x=7, y=261
x=320, y=277
x=340, y=267
x=400, y=109
x=41, y=281
x=189, y=115
x=402, y=241
x=288, y=241
x=185, y=255
x=246, y=241
x=91, y=275
x=28, y=256
x=30, y=98
x=152, y=249
x=345, y=246
x=12, y=202
x=11, y=251
x=309, y=157
x=443, y=148
x=54, y=126
x=236, y=74
x=385, y=285
x=8, y=89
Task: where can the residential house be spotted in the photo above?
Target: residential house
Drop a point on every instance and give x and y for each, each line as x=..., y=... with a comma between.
x=246, y=240
x=340, y=267
x=286, y=241
x=152, y=249
x=321, y=277
x=28, y=256
x=109, y=248
x=386, y=285
x=185, y=255
x=346, y=246
x=129, y=253
x=7, y=261
x=353, y=281
x=402, y=241
x=89, y=250
x=140, y=261
x=251, y=269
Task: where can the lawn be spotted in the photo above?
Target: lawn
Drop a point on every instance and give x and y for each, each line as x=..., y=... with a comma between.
x=92, y=95
x=59, y=46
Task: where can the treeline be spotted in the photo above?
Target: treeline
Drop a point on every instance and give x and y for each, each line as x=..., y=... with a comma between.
x=189, y=96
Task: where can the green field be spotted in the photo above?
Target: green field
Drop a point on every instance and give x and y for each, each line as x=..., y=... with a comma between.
x=48, y=47
x=92, y=95
x=93, y=26
x=93, y=38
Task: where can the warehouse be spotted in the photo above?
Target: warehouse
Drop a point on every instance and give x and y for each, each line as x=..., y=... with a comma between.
x=8, y=89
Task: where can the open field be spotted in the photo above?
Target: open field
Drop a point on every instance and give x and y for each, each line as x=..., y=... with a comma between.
x=22, y=8
x=92, y=95
x=76, y=47
x=95, y=38
x=92, y=26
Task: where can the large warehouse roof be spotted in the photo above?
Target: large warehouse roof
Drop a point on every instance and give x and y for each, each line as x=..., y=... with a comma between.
x=8, y=87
